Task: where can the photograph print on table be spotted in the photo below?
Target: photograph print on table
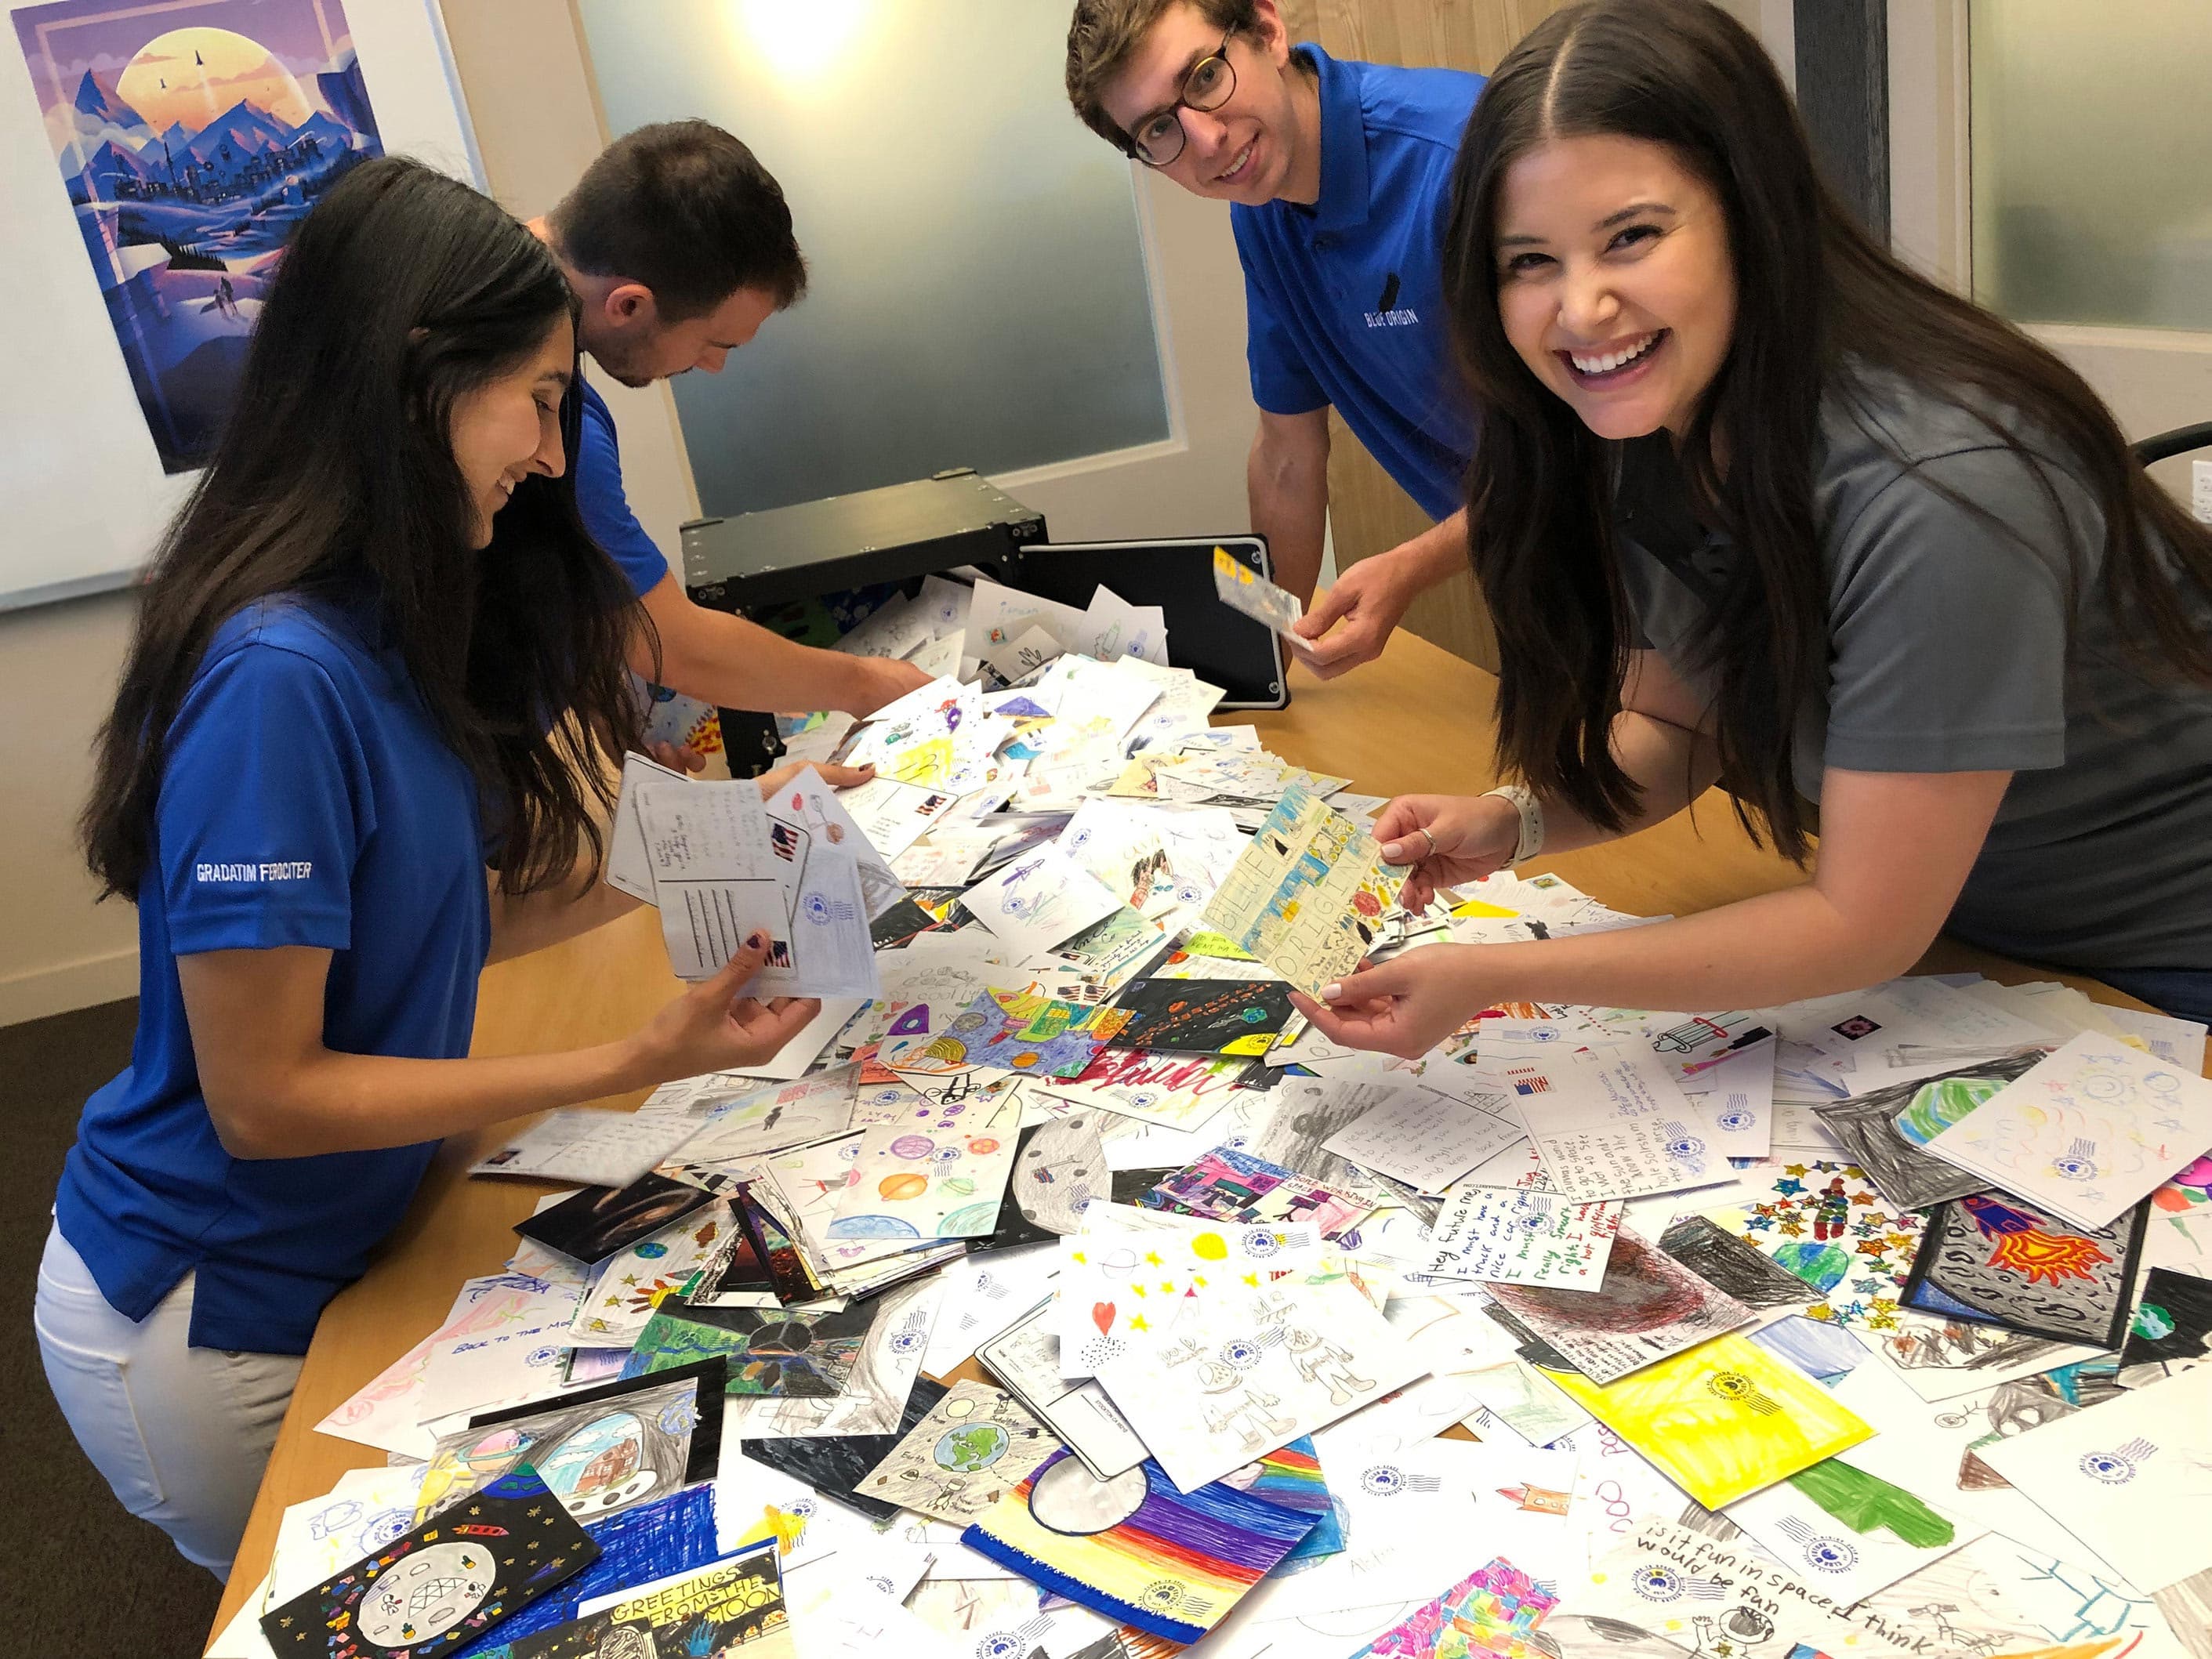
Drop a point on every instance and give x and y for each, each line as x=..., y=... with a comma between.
x=1994, y=1258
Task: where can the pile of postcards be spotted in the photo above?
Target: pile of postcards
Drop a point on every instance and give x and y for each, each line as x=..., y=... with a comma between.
x=1060, y=1291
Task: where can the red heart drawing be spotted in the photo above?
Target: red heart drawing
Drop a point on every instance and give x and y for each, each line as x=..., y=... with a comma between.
x=1102, y=1316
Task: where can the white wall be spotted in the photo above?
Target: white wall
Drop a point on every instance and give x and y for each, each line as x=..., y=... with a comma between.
x=537, y=127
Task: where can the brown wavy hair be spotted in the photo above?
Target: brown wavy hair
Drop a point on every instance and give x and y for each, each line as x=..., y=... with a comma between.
x=1819, y=306
x=335, y=481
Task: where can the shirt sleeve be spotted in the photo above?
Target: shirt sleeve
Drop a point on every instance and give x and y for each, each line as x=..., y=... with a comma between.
x=1948, y=621
x=606, y=507
x=1281, y=382
x=265, y=806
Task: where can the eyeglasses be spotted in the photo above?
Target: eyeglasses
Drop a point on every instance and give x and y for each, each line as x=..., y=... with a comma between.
x=1158, y=138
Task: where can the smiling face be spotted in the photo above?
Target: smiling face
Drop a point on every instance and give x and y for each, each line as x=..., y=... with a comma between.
x=510, y=427
x=1261, y=144
x=624, y=332
x=1615, y=282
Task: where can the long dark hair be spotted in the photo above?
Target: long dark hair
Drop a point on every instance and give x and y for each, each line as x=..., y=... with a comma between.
x=1819, y=304
x=335, y=481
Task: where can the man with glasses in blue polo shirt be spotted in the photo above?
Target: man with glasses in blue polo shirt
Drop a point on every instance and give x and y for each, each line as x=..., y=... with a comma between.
x=1338, y=176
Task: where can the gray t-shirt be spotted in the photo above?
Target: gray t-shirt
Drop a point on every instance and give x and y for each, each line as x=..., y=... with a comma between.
x=1948, y=652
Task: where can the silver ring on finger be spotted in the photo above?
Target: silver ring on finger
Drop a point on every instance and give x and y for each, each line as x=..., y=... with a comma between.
x=1429, y=837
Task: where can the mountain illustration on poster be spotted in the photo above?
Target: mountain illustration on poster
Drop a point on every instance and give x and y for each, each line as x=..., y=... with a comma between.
x=188, y=168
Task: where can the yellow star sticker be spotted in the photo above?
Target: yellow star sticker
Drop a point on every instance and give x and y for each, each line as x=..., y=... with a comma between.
x=1796, y=1168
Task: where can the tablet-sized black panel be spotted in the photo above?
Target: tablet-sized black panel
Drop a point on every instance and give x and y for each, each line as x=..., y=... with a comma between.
x=1222, y=646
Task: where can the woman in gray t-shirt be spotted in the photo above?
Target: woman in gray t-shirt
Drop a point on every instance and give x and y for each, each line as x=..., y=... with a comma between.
x=1753, y=499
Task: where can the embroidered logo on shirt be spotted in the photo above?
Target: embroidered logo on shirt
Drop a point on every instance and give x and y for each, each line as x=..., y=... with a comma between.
x=1387, y=313
x=239, y=875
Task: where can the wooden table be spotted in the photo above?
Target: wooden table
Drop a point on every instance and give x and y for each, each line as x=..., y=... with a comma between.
x=1416, y=720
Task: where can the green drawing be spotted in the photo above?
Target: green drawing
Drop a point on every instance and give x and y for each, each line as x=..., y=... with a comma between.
x=1865, y=1503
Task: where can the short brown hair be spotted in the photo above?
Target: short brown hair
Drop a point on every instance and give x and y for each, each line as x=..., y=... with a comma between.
x=685, y=208
x=1104, y=36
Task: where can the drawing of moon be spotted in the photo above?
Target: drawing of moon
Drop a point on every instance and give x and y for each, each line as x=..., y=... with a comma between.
x=1066, y=1498
x=425, y=1595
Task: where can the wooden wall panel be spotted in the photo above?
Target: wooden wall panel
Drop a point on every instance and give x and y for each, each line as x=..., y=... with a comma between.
x=1369, y=514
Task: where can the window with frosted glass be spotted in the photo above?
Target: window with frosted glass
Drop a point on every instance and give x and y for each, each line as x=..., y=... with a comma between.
x=977, y=294
x=2092, y=162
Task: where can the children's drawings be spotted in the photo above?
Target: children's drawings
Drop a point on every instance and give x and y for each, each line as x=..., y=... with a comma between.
x=1647, y=1306
x=1307, y=896
x=953, y=1465
x=939, y=1171
x=1721, y=1420
x=2088, y=1134
x=2131, y=1477
x=1227, y=1185
x=1041, y=898
x=1825, y=1222
x=2001, y=1261
x=1243, y=1367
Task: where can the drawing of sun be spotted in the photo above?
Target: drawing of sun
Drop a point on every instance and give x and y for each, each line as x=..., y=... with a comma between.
x=193, y=75
x=2044, y=1258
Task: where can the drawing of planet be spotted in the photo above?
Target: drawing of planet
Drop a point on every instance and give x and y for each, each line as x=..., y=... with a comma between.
x=896, y=1189
x=970, y=1448
x=912, y=1146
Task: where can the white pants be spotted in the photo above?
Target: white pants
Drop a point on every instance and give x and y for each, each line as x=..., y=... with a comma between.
x=180, y=1433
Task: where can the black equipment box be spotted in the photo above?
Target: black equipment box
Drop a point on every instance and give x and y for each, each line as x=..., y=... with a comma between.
x=753, y=561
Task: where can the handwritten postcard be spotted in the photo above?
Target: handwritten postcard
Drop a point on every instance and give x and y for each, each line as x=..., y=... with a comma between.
x=1614, y=1123
x=1521, y=1236
x=1424, y=1139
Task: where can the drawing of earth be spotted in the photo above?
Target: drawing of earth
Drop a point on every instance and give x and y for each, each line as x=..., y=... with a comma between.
x=970, y=1448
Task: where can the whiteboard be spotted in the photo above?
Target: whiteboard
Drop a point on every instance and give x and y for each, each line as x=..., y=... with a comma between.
x=82, y=496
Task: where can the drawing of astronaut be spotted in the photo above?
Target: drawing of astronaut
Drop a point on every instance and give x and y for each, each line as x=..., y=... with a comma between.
x=1247, y=1412
x=1322, y=1361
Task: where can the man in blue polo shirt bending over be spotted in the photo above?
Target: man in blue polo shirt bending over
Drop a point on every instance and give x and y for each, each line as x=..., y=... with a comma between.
x=1338, y=176
x=678, y=243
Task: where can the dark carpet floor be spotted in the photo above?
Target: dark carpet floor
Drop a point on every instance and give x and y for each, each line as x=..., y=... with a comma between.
x=83, y=1576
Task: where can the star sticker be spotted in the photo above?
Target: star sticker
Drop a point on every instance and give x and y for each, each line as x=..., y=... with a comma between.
x=1820, y=1310
x=1792, y=1228
x=1796, y=1170
x=1792, y=1187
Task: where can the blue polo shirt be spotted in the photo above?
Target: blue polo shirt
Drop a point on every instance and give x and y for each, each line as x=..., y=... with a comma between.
x=1344, y=300
x=605, y=508
x=307, y=799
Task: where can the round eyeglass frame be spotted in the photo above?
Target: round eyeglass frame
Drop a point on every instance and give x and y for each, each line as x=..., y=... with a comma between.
x=1219, y=55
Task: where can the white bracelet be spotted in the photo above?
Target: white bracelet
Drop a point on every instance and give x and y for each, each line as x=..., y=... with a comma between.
x=1531, y=809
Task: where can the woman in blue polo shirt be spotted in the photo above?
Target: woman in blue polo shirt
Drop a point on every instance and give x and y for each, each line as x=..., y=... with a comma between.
x=1753, y=499
x=336, y=706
